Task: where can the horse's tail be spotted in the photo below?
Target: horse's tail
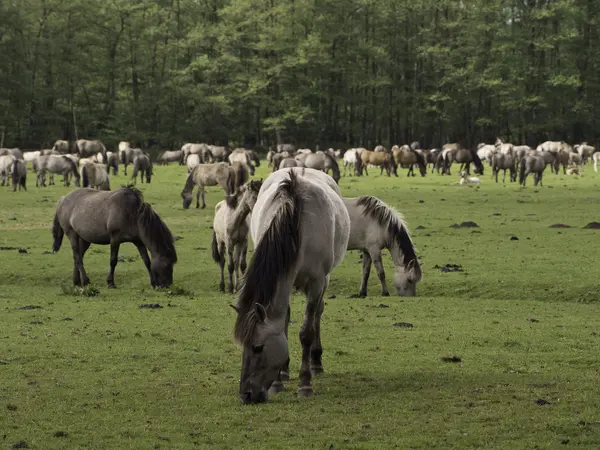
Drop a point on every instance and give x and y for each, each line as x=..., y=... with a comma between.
x=85, y=179
x=58, y=234
x=275, y=256
x=15, y=173
x=215, y=249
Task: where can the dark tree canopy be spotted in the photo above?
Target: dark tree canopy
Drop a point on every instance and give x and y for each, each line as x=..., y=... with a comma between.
x=317, y=72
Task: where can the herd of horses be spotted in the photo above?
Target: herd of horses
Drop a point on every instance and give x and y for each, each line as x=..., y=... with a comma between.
x=300, y=224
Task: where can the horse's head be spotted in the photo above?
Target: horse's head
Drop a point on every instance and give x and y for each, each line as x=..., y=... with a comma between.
x=264, y=355
x=406, y=279
x=148, y=175
x=161, y=272
x=187, y=199
x=251, y=192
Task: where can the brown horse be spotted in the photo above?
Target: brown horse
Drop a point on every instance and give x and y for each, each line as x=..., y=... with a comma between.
x=382, y=159
x=88, y=216
x=406, y=157
x=462, y=156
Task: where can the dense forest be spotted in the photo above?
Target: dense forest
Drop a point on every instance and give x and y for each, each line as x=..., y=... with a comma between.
x=314, y=72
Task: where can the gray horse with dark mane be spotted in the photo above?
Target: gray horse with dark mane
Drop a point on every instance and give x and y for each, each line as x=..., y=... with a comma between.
x=300, y=228
x=88, y=216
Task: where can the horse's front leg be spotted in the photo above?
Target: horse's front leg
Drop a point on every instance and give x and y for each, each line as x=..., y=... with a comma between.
x=114, y=258
x=284, y=372
x=240, y=261
x=377, y=262
x=203, y=198
x=308, y=336
x=144, y=255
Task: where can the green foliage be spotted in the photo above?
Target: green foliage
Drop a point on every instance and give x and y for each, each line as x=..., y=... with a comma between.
x=359, y=72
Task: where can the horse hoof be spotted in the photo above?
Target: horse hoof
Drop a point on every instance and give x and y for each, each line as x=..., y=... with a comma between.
x=385, y=294
x=357, y=296
x=284, y=376
x=305, y=392
x=276, y=387
x=203, y=206
x=316, y=370
x=111, y=286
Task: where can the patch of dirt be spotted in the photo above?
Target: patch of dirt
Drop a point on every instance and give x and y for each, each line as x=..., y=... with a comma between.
x=496, y=214
x=22, y=251
x=514, y=238
x=451, y=359
x=450, y=268
x=560, y=225
x=467, y=224
x=11, y=407
x=542, y=402
x=420, y=227
x=21, y=444
x=9, y=248
x=533, y=320
x=125, y=258
x=403, y=325
x=30, y=307
x=36, y=322
x=60, y=434
x=150, y=306
x=592, y=226
x=67, y=319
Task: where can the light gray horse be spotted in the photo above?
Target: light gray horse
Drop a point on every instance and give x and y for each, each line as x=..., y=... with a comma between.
x=170, y=156
x=202, y=150
x=230, y=231
x=19, y=174
x=300, y=228
x=532, y=164
x=241, y=156
x=112, y=162
x=321, y=161
x=88, y=216
x=6, y=164
x=17, y=153
x=87, y=148
x=376, y=226
x=95, y=176
x=143, y=166
x=290, y=162
x=207, y=175
x=61, y=146
x=504, y=161
x=219, y=153
x=128, y=155
x=56, y=165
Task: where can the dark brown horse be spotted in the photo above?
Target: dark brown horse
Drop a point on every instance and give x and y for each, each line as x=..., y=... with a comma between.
x=462, y=156
x=88, y=216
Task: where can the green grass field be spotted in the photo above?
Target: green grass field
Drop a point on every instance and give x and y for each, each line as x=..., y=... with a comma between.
x=81, y=371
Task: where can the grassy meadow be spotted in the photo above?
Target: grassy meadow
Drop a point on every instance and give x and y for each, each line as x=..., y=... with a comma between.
x=522, y=319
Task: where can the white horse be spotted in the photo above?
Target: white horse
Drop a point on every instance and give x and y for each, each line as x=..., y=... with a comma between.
x=375, y=226
x=351, y=158
x=596, y=158
x=230, y=231
x=486, y=151
x=300, y=228
x=6, y=164
x=466, y=179
x=192, y=161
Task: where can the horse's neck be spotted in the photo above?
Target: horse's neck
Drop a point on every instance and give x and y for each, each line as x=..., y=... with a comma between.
x=240, y=213
x=396, y=254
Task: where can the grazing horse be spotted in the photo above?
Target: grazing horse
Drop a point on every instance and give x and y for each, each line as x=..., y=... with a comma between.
x=382, y=159
x=19, y=174
x=502, y=161
x=90, y=148
x=290, y=162
x=561, y=158
x=202, y=150
x=240, y=155
x=300, y=228
x=406, y=157
x=95, y=176
x=170, y=156
x=88, y=216
x=230, y=231
x=56, y=164
x=462, y=156
x=375, y=226
x=585, y=150
x=207, y=175
x=143, y=166
x=192, y=161
x=128, y=156
x=321, y=161
x=532, y=164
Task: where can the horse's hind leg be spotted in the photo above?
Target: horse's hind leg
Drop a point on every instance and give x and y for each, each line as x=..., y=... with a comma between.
x=114, y=258
x=231, y=264
x=222, y=266
x=79, y=247
x=240, y=262
x=366, y=258
x=316, y=351
x=203, y=197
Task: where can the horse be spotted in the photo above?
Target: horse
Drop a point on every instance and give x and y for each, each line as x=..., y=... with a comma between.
x=88, y=216
x=406, y=157
x=501, y=161
x=585, y=150
x=270, y=155
x=381, y=148
x=561, y=158
x=128, y=156
x=321, y=161
x=290, y=162
x=202, y=150
x=532, y=164
x=300, y=228
x=112, y=162
x=463, y=156
x=207, y=175
x=240, y=155
x=352, y=159
x=431, y=157
x=278, y=157
x=90, y=148
x=56, y=164
x=143, y=165
x=253, y=157
x=503, y=147
x=6, y=164
x=192, y=161
x=552, y=146
x=465, y=179
x=596, y=158
x=230, y=231
x=219, y=153
x=170, y=156
x=95, y=176
x=280, y=148
x=486, y=152
x=19, y=174
x=381, y=159
x=575, y=159
x=375, y=226
x=31, y=156
x=61, y=146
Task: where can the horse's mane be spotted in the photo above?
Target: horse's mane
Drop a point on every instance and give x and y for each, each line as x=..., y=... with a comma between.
x=274, y=257
x=334, y=163
x=72, y=165
x=154, y=232
x=189, y=182
x=388, y=218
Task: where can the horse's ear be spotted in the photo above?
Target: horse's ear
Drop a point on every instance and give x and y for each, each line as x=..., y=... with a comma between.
x=261, y=312
x=235, y=308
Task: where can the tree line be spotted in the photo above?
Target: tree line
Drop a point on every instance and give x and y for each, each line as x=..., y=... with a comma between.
x=315, y=72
